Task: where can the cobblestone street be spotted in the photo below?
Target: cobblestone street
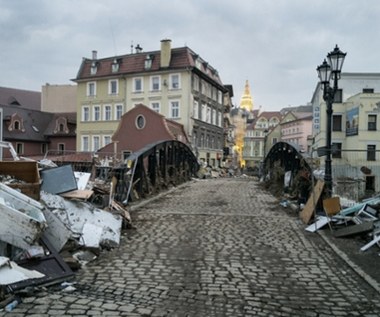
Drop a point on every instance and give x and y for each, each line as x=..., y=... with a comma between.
x=217, y=247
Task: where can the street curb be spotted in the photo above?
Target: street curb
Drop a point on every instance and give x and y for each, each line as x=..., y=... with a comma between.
x=345, y=258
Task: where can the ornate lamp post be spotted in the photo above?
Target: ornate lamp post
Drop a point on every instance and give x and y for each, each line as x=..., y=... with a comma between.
x=330, y=69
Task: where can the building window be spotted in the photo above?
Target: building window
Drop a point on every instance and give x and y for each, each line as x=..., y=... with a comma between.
x=118, y=112
x=196, y=83
x=175, y=81
x=107, y=112
x=336, y=150
x=20, y=148
x=208, y=115
x=91, y=89
x=220, y=97
x=95, y=143
x=337, y=122
x=137, y=84
x=44, y=148
x=94, y=68
x=174, y=109
x=155, y=83
x=372, y=122
x=106, y=139
x=61, y=148
x=113, y=87
x=140, y=122
x=196, y=110
x=85, y=113
x=203, y=113
x=338, y=97
x=17, y=125
x=368, y=90
x=371, y=152
x=148, y=62
x=85, y=144
x=96, y=113
x=155, y=106
x=115, y=66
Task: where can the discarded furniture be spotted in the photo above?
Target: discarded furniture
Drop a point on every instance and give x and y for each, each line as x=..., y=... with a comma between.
x=22, y=220
x=58, y=180
x=26, y=177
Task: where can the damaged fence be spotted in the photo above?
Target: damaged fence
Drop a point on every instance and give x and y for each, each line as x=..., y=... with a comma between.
x=355, y=173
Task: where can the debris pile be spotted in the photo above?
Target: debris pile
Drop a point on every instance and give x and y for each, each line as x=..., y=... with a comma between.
x=344, y=217
x=52, y=225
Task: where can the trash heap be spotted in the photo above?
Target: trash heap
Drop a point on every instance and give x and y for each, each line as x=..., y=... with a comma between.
x=52, y=225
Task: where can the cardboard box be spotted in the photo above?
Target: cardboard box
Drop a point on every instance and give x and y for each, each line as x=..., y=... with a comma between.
x=24, y=171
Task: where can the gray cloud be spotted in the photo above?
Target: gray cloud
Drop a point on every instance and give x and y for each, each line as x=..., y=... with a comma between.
x=275, y=44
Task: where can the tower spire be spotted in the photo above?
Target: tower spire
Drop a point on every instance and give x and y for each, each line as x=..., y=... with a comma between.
x=246, y=101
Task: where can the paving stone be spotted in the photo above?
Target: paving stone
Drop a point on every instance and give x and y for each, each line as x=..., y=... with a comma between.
x=220, y=247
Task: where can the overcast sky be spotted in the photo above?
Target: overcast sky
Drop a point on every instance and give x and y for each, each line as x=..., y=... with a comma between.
x=274, y=44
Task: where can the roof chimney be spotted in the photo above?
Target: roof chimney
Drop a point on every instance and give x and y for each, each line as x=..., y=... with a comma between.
x=94, y=55
x=165, y=53
x=138, y=49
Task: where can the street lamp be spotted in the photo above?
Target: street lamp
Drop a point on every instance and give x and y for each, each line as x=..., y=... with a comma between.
x=330, y=69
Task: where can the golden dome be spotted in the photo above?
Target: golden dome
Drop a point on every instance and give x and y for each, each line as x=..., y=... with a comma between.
x=246, y=101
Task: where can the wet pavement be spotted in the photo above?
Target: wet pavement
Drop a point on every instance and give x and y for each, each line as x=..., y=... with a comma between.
x=216, y=247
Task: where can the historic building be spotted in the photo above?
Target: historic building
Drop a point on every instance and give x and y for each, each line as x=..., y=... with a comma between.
x=143, y=126
x=33, y=132
x=241, y=118
x=354, y=136
x=296, y=127
x=256, y=143
x=175, y=82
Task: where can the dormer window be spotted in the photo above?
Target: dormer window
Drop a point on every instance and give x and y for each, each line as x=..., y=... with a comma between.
x=148, y=62
x=198, y=63
x=61, y=125
x=94, y=68
x=16, y=125
x=115, y=66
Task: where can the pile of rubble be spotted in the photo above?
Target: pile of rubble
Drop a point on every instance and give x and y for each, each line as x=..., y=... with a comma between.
x=51, y=225
x=344, y=217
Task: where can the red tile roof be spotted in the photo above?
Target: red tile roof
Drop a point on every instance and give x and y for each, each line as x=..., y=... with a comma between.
x=181, y=58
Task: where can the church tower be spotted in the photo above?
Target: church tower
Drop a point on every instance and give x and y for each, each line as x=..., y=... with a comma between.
x=246, y=101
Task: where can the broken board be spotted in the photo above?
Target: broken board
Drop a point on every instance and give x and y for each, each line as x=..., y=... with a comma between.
x=308, y=210
x=79, y=194
x=320, y=223
x=354, y=229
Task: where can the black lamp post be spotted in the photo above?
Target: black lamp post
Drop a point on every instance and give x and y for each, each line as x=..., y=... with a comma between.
x=330, y=69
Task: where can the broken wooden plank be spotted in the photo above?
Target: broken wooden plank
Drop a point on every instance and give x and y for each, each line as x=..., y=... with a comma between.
x=366, y=226
x=78, y=194
x=308, y=210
